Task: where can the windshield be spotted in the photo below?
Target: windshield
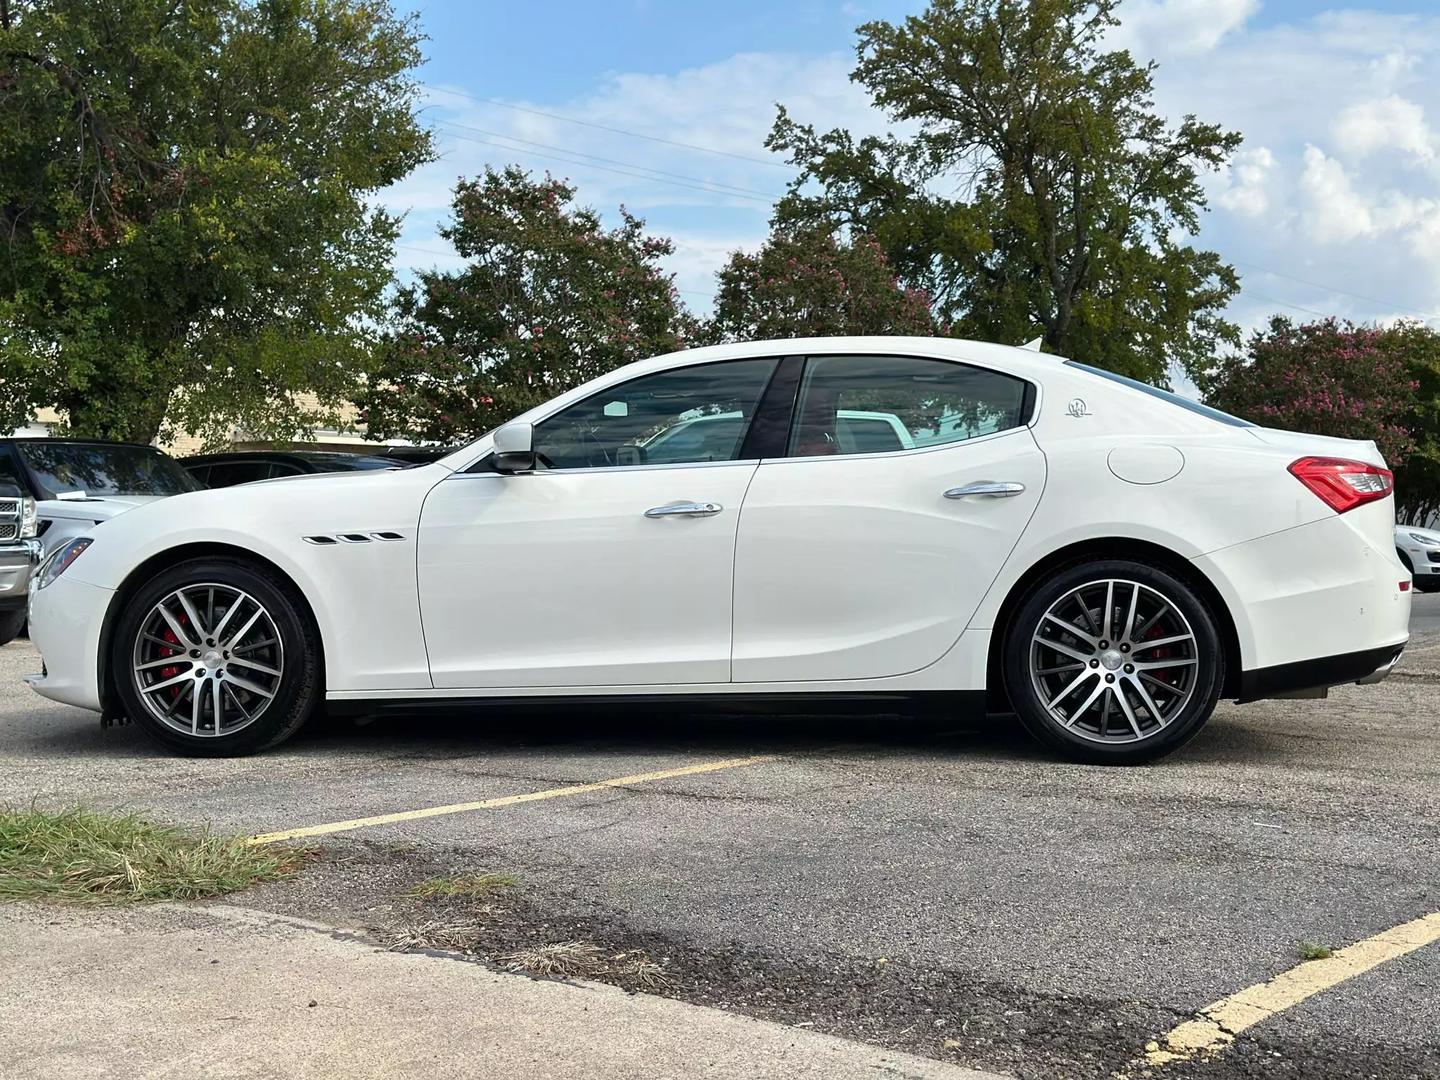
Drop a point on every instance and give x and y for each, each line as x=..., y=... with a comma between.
x=1164, y=395
x=63, y=468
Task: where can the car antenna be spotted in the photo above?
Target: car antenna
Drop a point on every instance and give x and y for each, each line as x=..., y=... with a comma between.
x=1033, y=345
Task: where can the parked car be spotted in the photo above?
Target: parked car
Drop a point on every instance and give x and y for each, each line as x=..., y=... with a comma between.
x=19, y=551
x=1103, y=558
x=68, y=486
x=245, y=466
x=1419, y=550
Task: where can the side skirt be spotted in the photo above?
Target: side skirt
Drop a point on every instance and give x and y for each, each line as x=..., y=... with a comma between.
x=800, y=703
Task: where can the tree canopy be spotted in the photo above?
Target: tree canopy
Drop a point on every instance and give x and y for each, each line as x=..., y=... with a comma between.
x=1031, y=186
x=806, y=282
x=1354, y=382
x=186, y=195
x=548, y=299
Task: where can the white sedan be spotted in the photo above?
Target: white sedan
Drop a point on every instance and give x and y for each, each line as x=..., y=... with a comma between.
x=1018, y=533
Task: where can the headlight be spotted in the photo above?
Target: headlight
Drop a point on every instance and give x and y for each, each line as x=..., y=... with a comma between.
x=60, y=559
x=29, y=519
x=1428, y=541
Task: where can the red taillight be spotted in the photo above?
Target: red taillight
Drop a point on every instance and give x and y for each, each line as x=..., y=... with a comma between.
x=1343, y=484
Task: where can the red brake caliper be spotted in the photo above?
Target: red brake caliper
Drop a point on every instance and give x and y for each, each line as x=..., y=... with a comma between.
x=169, y=672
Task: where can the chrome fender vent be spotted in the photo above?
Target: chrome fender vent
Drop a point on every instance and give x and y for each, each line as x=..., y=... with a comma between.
x=328, y=540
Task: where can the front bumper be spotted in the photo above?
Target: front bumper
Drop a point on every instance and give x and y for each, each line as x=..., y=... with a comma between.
x=65, y=621
x=17, y=559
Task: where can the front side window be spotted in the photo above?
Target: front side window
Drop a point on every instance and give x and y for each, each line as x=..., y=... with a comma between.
x=681, y=416
x=879, y=404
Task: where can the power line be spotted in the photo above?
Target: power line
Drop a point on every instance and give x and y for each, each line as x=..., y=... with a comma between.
x=612, y=161
x=1330, y=288
x=706, y=187
x=613, y=130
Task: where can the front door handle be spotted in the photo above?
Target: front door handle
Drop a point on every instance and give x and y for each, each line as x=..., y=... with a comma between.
x=685, y=509
x=994, y=489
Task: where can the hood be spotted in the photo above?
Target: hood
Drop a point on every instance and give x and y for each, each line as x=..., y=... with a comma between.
x=93, y=508
x=1321, y=445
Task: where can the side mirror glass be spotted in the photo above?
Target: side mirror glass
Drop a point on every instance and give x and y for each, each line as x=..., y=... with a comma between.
x=514, y=447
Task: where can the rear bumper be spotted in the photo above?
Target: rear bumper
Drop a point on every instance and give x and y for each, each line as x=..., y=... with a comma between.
x=1314, y=605
x=1366, y=666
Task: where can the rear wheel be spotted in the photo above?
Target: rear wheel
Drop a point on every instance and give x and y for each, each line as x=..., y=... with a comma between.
x=1114, y=662
x=217, y=657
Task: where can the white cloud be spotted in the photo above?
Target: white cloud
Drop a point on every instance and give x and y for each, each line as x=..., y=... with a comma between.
x=1389, y=123
x=1334, y=212
x=1179, y=27
x=1247, y=182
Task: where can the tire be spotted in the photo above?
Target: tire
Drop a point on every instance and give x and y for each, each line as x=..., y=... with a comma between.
x=1133, y=700
x=11, y=623
x=264, y=668
x=1405, y=561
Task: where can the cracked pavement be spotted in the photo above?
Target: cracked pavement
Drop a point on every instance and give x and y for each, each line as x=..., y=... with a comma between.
x=934, y=886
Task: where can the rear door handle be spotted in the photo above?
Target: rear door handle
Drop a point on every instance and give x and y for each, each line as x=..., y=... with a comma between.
x=685, y=509
x=994, y=489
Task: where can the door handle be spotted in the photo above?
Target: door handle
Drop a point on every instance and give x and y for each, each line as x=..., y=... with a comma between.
x=995, y=489
x=685, y=509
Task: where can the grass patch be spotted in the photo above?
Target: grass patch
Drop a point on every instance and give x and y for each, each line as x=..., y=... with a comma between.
x=465, y=886
x=83, y=857
x=1308, y=950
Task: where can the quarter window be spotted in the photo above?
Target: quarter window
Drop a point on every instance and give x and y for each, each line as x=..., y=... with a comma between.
x=877, y=404
x=685, y=415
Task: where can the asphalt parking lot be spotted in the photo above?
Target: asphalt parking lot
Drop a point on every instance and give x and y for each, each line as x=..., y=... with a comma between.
x=932, y=886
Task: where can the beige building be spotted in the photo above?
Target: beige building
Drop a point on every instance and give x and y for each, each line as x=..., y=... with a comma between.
x=349, y=436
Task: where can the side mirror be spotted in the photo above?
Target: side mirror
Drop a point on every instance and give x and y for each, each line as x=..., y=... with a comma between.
x=514, y=448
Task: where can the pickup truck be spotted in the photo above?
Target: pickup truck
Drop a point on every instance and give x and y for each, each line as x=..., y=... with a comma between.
x=63, y=488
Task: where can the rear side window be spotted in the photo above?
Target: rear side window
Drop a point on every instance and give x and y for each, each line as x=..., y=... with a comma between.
x=879, y=404
x=1164, y=395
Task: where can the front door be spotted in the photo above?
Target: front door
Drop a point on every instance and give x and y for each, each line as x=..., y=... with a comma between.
x=865, y=550
x=612, y=564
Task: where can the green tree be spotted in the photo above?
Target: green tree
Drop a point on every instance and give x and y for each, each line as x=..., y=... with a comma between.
x=548, y=299
x=1326, y=377
x=185, y=195
x=1034, y=189
x=806, y=283
x=1415, y=349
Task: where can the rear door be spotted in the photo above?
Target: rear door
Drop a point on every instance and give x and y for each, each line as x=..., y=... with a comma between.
x=860, y=565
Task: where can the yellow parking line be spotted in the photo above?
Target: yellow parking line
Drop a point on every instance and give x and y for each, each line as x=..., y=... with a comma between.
x=1217, y=1024
x=507, y=800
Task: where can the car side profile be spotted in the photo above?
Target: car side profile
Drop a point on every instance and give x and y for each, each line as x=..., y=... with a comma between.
x=1101, y=558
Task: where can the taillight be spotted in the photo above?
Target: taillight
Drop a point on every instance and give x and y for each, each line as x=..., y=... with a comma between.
x=1343, y=484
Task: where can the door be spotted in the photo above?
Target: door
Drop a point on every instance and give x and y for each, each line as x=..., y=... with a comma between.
x=610, y=565
x=865, y=557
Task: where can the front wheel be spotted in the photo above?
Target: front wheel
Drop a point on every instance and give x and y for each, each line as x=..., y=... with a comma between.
x=11, y=623
x=217, y=657
x=1113, y=662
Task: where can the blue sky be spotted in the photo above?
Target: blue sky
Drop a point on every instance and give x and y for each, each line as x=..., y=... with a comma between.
x=1332, y=205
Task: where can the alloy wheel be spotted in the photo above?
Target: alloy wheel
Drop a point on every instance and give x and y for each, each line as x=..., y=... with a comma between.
x=208, y=660
x=1114, y=661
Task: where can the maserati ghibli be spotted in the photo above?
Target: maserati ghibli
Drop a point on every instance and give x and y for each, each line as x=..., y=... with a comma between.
x=983, y=526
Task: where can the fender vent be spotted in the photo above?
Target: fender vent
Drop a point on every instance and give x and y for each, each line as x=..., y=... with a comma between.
x=323, y=540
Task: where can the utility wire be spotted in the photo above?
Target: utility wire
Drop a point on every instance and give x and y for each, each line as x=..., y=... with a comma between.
x=1330, y=288
x=610, y=161
x=613, y=130
x=706, y=187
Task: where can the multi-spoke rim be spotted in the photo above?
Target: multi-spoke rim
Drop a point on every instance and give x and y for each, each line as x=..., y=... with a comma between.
x=1114, y=661
x=208, y=660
